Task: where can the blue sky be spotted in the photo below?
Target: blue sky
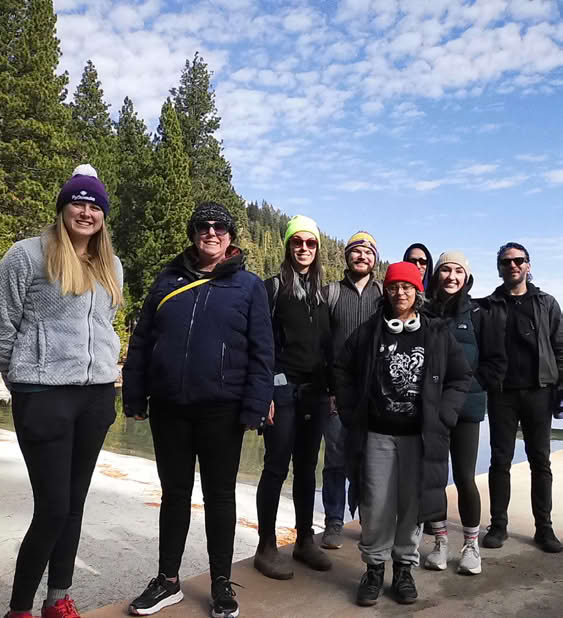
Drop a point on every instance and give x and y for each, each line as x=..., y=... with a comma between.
x=434, y=121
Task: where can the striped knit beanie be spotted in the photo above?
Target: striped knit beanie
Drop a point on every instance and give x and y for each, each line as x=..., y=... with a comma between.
x=361, y=239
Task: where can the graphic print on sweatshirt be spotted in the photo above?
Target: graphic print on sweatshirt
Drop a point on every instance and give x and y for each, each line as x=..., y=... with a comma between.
x=400, y=373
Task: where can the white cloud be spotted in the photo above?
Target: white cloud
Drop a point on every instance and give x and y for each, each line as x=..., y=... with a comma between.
x=531, y=158
x=478, y=169
x=503, y=183
x=554, y=176
x=428, y=185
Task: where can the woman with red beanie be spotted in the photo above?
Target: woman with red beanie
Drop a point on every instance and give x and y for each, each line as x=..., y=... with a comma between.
x=400, y=385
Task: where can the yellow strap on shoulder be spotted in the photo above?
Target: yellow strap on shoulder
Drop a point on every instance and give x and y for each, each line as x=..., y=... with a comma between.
x=184, y=288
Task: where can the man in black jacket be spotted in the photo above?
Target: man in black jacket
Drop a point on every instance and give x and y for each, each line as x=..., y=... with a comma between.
x=522, y=365
x=351, y=302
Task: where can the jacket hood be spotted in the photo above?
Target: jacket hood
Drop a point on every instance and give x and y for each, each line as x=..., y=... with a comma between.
x=188, y=261
x=429, y=266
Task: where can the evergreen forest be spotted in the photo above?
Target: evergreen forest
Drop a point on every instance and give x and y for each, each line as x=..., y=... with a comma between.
x=154, y=179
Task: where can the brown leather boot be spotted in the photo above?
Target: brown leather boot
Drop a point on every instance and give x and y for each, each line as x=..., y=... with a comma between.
x=307, y=552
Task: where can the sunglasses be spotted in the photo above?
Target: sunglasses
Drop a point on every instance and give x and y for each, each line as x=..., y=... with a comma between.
x=204, y=227
x=394, y=288
x=505, y=262
x=297, y=243
x=422, y=261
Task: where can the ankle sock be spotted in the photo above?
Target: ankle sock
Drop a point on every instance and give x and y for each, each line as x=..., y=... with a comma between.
x=470, y=534
x=440, y=529
x=54, y=595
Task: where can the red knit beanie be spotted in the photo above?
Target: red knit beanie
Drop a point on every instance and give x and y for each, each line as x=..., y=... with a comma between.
x=404, y=271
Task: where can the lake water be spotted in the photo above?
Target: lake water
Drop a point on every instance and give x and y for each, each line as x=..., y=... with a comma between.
x=130, y=437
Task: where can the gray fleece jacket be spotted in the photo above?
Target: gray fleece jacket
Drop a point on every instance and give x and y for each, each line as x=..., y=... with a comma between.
x=47, y=338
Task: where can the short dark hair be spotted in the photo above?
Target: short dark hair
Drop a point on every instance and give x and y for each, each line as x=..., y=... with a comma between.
x=513, y=245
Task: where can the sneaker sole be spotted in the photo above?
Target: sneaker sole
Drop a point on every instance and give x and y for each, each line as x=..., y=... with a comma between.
x=366, y=602
x=432, y=566
x=148, y=611
x=466, y=571
x=331, y=545
x=232, y=614
x=492, y=544
x=405, y=601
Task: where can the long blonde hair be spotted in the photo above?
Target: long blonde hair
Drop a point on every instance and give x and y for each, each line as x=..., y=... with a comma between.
x=79, y=275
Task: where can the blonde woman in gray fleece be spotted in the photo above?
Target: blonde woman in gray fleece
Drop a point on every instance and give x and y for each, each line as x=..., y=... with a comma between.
x=58, y=354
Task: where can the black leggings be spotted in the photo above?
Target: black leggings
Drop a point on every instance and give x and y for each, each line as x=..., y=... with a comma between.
x=464, y=444
x=60, y=432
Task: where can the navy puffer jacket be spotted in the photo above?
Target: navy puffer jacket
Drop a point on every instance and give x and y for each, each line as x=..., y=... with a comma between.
x=209, y=345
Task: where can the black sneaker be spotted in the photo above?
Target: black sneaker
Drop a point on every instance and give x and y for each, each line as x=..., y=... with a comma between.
x=495, y=537
x=158, y=594
x=546, y=540
x=370, y=585
x=403, y=586
x=223, y=604
x=332, y=536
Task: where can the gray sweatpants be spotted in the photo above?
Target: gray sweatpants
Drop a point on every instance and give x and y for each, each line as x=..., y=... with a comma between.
x=390, y=499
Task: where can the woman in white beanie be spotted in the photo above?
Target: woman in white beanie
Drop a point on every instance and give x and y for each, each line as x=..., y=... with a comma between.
x=449, y=298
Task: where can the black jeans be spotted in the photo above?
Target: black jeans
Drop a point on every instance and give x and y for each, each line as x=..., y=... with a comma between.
x=60, y=432
x=532, y=408
x=214, y=435
x=292, y=436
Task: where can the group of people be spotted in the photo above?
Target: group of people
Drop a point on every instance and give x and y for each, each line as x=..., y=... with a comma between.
x=396, y=375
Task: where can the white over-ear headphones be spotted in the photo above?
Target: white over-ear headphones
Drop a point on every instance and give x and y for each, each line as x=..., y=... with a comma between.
x=397, y=326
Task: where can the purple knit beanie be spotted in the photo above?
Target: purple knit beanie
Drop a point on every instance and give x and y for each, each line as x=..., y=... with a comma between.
x=84, y=186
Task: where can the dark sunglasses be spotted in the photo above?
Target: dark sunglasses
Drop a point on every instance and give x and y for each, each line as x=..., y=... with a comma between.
x=204, y=226
x=297, y=243
x=517, y=260
x=422, y=261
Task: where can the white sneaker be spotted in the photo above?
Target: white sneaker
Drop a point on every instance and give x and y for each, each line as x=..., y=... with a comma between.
x=437, y=559
x=470, y=563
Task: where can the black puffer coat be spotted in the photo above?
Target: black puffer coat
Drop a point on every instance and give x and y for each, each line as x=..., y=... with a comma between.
x=447, y=378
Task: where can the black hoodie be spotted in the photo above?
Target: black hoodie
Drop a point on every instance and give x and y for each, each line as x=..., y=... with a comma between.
x=429, y=265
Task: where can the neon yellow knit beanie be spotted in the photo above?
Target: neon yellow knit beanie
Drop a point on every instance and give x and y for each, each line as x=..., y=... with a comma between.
x=301, y=223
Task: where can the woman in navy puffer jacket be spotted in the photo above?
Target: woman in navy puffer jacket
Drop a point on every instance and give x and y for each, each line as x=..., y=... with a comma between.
x=203, y=353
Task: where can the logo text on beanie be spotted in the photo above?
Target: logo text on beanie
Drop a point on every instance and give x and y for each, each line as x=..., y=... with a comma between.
x=83, y=196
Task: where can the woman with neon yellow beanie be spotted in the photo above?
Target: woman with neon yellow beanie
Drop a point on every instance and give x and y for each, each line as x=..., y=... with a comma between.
x=302, y=360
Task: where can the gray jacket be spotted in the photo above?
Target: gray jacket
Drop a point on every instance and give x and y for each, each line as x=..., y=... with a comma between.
x=47, y=338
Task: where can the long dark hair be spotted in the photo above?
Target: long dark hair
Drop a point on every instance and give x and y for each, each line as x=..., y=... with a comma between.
x=291, y=283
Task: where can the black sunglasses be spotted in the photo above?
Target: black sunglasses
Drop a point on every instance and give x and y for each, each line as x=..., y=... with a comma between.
x=517, y=260
x=414, y=260
x=203, y=227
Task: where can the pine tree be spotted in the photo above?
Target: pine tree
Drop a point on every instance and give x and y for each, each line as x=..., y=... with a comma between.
x=210, y=172
x=162, y=231
x=134, y=159
x=93, y=129
x=35, y=144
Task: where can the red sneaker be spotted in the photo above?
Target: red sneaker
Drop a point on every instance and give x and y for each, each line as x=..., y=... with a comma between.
x=12, y=614
x=63, y=608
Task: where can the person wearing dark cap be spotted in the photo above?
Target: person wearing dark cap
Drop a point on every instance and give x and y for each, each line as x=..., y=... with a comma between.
x=203, y=353
x=59, y=293
x=400, y=385
x=450, y=300
x=522, y=368
x=351, y=302
x=419, y=255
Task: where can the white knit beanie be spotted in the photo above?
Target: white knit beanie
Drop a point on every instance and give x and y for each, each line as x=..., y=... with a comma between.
x=453, y=256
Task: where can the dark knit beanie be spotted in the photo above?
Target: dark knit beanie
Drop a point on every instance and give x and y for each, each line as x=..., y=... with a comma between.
x=211, y=211
x=84, y=186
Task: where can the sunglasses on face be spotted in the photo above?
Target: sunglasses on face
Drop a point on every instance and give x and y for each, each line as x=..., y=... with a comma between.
x=297, y=243
x=505, y=262
x=204, y=227
x=422, y=261
x=395, y=288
